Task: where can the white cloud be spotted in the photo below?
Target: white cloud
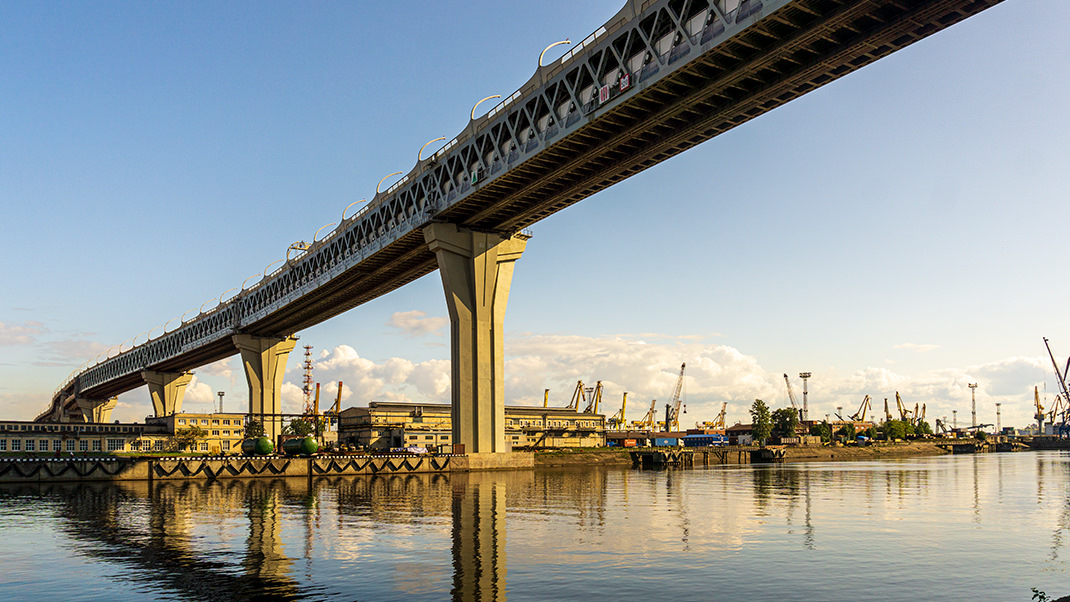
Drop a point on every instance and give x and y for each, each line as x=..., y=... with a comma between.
x=416, y=323
x=20, y=334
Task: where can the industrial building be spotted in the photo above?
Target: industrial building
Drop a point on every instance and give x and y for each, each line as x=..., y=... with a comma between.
x=386, y=425
x=225, y=432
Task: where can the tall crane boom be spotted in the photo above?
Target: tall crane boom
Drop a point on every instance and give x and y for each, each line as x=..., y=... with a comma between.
x=673, y=422
x=595, y=400
x=616, y=421
x=860, y=415
x=791, y=394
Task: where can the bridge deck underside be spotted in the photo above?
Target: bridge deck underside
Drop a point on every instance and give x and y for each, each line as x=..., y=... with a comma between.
x=790, y=52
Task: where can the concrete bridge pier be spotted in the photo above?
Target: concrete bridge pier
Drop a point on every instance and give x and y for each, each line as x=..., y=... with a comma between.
x=264, y=359
x=97, y=411
x=477, y=270
x=167, y=390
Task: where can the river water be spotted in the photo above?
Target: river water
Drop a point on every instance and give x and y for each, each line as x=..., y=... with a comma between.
x=969, y=527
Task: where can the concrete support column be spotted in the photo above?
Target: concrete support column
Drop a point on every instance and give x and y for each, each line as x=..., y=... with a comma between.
x=167, y=390
x=264, y=359
x=477, y=270
x=97, y=411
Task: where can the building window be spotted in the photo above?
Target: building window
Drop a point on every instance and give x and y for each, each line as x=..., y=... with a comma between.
x=83, y=445
x=96, y=445
x=204, y=421
x=215, y=422
x=56, y=444
x=182, y=421
x=29, y=445
x=3, y=445
x=158, y=445
x=215, y=433
x=70, y=445
x=16, y=445
x=116, y=444
x=224, y=445
x=445, y=437
x=135, y=445
x=226, y=422
x=429, y=437
x=204, y=446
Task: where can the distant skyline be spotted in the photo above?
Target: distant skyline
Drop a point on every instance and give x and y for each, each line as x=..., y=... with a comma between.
x=896, y=230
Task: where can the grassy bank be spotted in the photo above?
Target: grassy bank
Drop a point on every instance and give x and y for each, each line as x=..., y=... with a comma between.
x=615, y=456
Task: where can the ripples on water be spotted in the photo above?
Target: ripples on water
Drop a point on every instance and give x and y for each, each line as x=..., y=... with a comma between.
x=984, y=527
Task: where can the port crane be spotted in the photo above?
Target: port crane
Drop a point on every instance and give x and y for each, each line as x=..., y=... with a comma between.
x=578, y=397
x=904, y=413
x=860, y=415
x=1039, y=416
x=791, y=397
x=1063, y=425
x=616, y=421
x=887, y=414
x=595, y=400
x=672, y=420
x=718, y=422
x=649, y=419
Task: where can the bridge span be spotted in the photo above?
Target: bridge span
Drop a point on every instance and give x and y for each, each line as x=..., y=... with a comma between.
x=660, y=76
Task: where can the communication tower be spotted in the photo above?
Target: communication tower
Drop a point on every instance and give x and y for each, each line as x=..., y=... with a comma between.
x=973, y=404
x=806, y=408
x=307, y=389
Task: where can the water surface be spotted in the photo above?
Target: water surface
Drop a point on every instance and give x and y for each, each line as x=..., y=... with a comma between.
x=983, y=527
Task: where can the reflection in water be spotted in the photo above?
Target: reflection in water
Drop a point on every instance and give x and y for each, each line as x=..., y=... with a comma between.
x=949, y=522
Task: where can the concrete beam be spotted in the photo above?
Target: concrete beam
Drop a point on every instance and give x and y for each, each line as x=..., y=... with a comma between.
x=167, y=390
x=97, y=411
x=477, y=271
x=264, y=359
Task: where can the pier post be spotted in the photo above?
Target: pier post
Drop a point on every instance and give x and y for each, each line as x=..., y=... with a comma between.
x=264, y=360
x=477, y=270
x=167, y=390
x=97, y=411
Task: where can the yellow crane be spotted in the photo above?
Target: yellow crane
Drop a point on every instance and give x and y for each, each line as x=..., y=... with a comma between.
x=860, y=415
x=577, y=396
x=887, y=414
x=904, y=413
x=616, y=421
x=1039, y=416
x=648, y=419
x=546, y=398
x=595, y=400
x=718, y=422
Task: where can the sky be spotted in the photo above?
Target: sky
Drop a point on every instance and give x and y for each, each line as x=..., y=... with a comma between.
x=895, y=230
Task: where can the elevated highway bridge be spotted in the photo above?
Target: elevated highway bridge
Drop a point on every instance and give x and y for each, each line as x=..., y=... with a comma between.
x=658, y=78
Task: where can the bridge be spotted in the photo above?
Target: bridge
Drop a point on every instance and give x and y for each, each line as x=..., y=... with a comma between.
x=660, y=77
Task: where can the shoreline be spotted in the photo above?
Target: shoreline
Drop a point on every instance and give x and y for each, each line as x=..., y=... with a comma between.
x=622, y=456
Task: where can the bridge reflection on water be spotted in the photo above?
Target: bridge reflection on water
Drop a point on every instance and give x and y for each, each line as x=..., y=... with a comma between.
x=991, y=522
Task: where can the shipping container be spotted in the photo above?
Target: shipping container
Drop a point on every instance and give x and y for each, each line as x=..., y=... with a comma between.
x=630, y=443
x=704, y=440
x=666, y=442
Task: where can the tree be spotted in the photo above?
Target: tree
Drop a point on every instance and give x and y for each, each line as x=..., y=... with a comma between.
x=847, y=431
x=823, y=430
x=187, y=438
x=299, y=427
x=785, y=421
x=895, y=429
x=254, y=429
x=761, y=421
x=923, y=428
x=980, y=435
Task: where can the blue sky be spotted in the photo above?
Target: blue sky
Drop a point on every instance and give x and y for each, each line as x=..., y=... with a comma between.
x=899, y=229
